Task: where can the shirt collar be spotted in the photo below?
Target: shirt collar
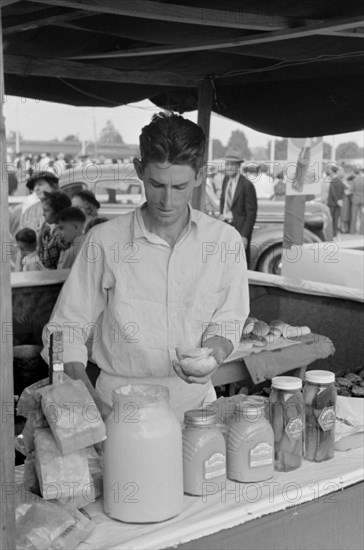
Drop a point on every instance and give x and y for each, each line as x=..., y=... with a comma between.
x=140, y=231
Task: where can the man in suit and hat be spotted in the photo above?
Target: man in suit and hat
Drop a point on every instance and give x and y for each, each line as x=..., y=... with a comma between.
x=238, y=203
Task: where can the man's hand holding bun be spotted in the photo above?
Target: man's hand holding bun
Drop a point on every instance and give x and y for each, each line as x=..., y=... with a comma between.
x=195, y=365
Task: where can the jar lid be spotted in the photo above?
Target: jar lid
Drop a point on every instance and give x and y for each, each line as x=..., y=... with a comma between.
x=286, y=383
x=200, y=417
x=320, y=376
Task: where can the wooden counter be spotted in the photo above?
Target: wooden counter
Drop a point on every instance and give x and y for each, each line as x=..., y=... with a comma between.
x=255, y=368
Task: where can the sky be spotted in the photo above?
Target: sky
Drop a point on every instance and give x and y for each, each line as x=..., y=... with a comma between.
x=44, y=120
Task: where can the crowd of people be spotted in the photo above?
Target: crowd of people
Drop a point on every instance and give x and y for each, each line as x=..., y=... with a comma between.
x=341, y=191
x=52, y=226
x=23, y=166
x=345, y=198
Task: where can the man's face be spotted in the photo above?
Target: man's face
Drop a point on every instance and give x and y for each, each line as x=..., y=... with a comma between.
x=79, y=203
x=168, y=189
x=40, y=186
x=68, y=231
x=231, y=168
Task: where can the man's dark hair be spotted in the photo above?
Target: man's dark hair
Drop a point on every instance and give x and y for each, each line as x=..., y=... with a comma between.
x=57, y=200
x=27, y=236
x=71, y=214
x=94, y=221
x=174, y=139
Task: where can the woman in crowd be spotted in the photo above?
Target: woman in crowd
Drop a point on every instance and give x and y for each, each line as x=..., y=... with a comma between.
x=32, y=211
x=86, y=201
x=50, y=242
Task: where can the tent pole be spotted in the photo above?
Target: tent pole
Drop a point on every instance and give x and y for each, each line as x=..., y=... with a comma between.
x=7, y=460
x=203, y=120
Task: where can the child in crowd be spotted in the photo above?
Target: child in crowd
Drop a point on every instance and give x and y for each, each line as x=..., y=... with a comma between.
x=93, y=222
x=70, y=222
x=27, y=258
x=50, y=242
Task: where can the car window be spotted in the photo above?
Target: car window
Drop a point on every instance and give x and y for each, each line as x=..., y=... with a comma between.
x=117, y=193
x=111, y=183
x=118, y=183
x=72, y=188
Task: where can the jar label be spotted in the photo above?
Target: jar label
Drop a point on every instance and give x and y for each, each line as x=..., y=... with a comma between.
x=327, y=419
x=294, y=428
x=261, y=455
x=215, y=466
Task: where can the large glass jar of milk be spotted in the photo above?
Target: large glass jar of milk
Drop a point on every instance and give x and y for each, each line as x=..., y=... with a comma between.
x=143, y=464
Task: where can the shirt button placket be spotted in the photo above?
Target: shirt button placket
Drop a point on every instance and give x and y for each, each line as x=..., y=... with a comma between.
x=172, y=301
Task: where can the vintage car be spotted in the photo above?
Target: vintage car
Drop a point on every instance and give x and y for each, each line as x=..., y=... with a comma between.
x=267, y=238
x=119, y=190
x=116, y=186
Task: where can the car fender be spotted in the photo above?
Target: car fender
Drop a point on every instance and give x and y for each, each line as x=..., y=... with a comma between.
x=266, y=236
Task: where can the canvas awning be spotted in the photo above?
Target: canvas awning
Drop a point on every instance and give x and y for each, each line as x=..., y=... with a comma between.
x=289, y=69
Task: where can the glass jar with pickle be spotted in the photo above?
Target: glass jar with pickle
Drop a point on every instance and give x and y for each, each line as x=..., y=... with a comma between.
x=286, y=414
x=320, y=402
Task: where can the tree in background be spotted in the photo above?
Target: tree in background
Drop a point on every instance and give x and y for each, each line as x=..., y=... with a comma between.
x=260, y=153
x=71, y=137
x=281, y=149
x=238, y=139
x=218, y=150
x=109, y=134
x=348, y=150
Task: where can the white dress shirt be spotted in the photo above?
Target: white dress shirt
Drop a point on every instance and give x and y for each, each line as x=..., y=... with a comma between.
x=143, y=298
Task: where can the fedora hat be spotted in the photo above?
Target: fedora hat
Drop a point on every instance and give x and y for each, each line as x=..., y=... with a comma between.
x=233, y=154
x=45, y=175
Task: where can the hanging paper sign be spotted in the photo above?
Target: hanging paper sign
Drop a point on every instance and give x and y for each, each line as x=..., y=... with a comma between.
x=303, y=170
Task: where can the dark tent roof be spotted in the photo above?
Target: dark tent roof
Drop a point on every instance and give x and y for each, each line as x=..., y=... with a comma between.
x=285, y=68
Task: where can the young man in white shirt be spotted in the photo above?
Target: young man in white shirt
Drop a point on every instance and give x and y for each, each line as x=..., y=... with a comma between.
x=162, y=277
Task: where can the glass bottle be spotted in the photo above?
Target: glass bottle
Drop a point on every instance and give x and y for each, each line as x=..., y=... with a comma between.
x=320, y=402
x=286, y=414
x=250, y=444
x=204, y=452
x=142, y=462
